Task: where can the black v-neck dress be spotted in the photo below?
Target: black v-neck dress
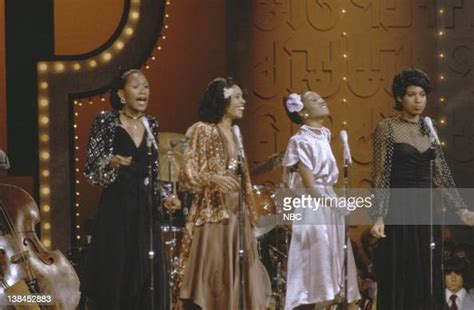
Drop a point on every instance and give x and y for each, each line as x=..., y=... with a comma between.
x=118, y=265
x=403, y=257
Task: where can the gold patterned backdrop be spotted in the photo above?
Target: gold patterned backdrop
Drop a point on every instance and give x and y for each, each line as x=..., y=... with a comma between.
x=456, y=98
x=347, y=51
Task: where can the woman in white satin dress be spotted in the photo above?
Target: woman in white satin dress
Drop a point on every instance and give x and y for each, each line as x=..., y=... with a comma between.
x=316, y=255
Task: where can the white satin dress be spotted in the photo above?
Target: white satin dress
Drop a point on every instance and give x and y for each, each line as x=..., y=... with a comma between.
x=316, y=255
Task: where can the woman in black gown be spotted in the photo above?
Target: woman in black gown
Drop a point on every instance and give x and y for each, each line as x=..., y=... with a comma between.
x=118, y=268
x=402, y=155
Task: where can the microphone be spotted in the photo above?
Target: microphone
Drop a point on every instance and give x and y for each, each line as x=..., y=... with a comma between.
x=150, y=137
x=347, y=151
x=433, y=135
x=238, y=136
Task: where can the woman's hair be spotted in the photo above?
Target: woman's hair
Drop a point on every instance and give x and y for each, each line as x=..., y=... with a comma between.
x=213, y=104
x=117, y=84
x=409, y=77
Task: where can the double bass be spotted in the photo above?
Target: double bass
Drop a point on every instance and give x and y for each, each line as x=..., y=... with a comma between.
x=26, y=267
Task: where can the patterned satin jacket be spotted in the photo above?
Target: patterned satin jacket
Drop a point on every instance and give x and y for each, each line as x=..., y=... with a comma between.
x=205, y=156
x=100, y=151
x=385, y=136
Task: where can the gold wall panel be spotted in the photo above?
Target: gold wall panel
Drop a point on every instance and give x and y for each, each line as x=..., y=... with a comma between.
x=347, y=51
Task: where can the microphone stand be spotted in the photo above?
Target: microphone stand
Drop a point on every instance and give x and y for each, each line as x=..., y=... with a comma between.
x=240, y=172
x=443, y=223
x=345, y=303
x=434, y=144
x=172, y=230
x=345, y=268
x=151, y=254
x=432, y=242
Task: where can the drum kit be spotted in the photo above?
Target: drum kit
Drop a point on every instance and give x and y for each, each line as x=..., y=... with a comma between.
x=273, y=240
x=171, y=158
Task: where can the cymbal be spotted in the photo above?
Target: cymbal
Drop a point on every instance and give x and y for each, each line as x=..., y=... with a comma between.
x=271, y=163
x=171, y=155
x=172, y=141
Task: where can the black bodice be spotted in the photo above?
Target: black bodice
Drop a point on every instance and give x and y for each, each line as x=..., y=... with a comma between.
x=410, y=167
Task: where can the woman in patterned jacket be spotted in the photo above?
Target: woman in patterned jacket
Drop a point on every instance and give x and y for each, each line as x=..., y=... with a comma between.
x=118, y=267
x=209, y=272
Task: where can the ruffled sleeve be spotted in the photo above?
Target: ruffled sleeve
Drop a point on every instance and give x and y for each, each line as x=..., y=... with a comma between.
x=195, y=175
x=97, y=169
x=298, y=150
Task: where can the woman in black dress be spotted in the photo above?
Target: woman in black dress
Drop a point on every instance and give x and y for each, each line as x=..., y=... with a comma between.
x=118, y=268
x=402, y=155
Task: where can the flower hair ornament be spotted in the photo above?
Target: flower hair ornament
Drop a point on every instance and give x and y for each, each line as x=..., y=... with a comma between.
x=293, y=103
x=228, y=91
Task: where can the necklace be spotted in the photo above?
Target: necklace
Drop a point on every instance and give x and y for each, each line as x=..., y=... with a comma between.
x=132, y=123
x=131, y=116
x=319, y=129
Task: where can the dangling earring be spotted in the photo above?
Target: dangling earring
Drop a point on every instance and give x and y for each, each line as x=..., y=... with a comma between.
x=122, y=100
x=305, y=116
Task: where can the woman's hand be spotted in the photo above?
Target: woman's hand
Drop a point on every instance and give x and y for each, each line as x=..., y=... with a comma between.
x=226, y=184
x=172, y=203
x=118, y=161
x=378, y=230
x=467, y=217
